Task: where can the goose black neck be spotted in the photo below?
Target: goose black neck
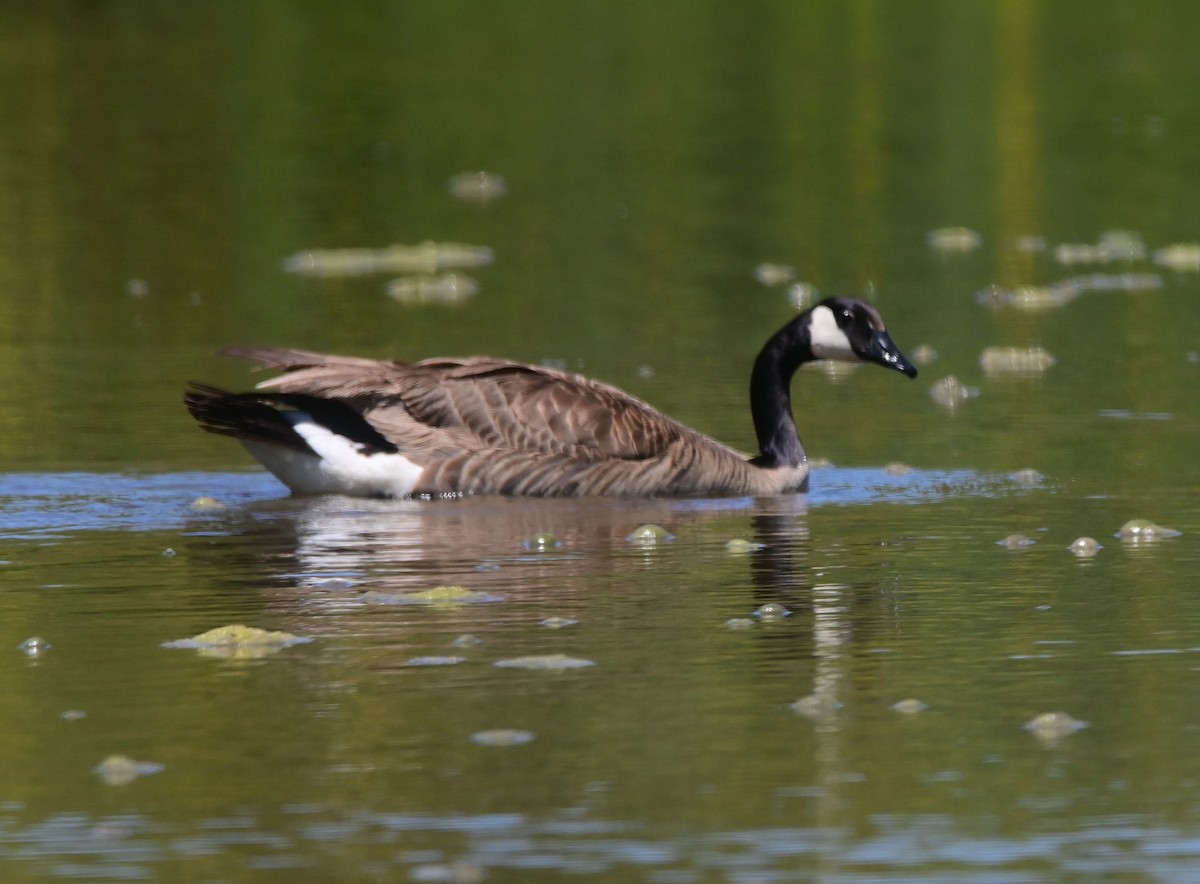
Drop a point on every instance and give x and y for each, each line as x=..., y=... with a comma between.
x=771, y=399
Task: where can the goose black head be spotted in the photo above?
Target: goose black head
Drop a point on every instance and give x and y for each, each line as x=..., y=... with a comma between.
x=851, y=330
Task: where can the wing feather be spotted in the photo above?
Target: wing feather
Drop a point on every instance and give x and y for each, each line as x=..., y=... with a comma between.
x=496, y=403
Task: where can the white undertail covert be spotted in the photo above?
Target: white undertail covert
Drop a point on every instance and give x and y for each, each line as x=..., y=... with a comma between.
x=337, y=464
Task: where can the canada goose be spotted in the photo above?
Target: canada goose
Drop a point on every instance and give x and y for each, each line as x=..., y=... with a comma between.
x=445, y=427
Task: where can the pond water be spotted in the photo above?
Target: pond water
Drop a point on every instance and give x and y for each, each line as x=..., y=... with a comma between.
x=848, y=695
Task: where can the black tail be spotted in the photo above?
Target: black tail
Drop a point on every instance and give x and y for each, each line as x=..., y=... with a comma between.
x=241, y=415
x=261, y=417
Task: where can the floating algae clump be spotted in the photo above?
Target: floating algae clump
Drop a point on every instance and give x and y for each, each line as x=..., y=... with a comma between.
x=1183, y=256
x=502, y=737
x=548, y=662
x=1085, y=547
x=816, y=706
x=1016, y=541
x=441, y=596
x=950, y=392
x=542, y=541
x=426, y=257
x=434, y=661
x=117, y=770
x=1027, y=478
x=447, y=595
x=774, y=274
x=1029, y=298
x=953, y=239
x=650, y=535
x=1015, y=360
x=238, y=642
x=34, y=646
x=802, y=295
x=739, y=546
x=924, y=354
x=772, y=611
x=1144, y=531
x=1052, y=726
x=443, y=288
x=477, y=187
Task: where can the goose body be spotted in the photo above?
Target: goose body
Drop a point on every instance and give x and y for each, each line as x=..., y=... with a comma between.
x=443, y=427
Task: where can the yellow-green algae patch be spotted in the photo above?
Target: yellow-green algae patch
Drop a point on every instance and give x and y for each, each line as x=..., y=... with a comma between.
x=34, y=646
x=741, y=546
x=950, y=392
x=1016, y=360
x=434, y=661
x=543, y=541
x=816, y=706
x=439, y=595
x=117, y=770
x=650, y=535
x=772, y=611
x=238, y=641
x=1016, y=541
x=207, y=503
x=502, y=737
x=953, y=239
x=477, y=186
x=1145, y=531
x=1027, y=478
x=547, y=662
x=1052, y=726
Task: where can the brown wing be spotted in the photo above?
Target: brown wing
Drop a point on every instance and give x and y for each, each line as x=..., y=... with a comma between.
x=481, y=403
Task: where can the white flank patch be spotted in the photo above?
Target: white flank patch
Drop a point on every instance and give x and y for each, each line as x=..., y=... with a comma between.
x=339, y=467
x=826, y=339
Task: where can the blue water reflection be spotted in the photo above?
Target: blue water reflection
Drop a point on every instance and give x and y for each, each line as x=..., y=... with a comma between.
x=132, y=847
x=40, y=505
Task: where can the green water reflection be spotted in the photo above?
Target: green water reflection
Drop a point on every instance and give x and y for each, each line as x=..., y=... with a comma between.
x=159, y=162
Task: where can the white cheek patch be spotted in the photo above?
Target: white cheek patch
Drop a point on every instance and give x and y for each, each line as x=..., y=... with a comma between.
x=826, y=339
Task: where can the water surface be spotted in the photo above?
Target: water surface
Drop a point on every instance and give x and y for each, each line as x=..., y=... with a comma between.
x=161, y=163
